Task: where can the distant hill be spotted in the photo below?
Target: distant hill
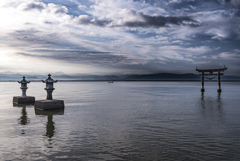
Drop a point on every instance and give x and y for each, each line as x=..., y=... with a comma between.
x=226, y=77
x=164, y=76
x=133, y=77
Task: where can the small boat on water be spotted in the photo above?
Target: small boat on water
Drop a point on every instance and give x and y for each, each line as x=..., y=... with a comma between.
x=110, y=81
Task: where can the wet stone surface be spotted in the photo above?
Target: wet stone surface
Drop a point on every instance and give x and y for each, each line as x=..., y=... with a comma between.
x=22, y=100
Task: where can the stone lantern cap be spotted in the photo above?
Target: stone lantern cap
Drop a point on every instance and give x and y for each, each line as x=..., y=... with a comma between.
x=49, y=83
x=49, y=80
x=24, y=81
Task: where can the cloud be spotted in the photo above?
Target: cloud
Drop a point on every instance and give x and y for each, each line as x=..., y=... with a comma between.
x=57, y=9
x=86, y=20
x=120, y=33
x=40, y=6
x=229, y=56
x=237, y=50
x=166, y=54
x=82, y=7
x=33, y=36
x=202, y=62
x=31, y=6
x=176, y=53
x=217, y=37
x=133, y=19
x=235, y=2
x=142, y=20
x=78, y=56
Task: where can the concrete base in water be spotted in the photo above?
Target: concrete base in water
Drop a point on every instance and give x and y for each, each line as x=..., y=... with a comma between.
x=49, y=104
x=23, y=100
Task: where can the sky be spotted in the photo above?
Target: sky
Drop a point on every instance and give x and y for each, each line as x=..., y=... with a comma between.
x=119, y=36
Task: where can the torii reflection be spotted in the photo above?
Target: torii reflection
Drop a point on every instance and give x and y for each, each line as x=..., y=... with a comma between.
x=218, y=101
x=50, y=125
x=23, y=120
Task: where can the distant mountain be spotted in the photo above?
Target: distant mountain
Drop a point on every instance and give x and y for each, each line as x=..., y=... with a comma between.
x=164, y=76
x=62, y=76
x=227, y=77
x=133, y=77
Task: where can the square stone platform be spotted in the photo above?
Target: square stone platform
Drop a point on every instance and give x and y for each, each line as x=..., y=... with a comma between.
x=23, y=100
x=49, y=104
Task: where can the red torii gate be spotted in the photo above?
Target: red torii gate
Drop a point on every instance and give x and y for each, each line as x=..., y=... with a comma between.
x=216, y=72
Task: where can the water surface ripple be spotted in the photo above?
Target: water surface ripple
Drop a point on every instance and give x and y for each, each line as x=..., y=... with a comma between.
x=123, y=121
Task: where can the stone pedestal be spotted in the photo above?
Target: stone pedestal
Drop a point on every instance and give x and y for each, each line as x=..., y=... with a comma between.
x=49, y=104
x=59, y=111
x=23, y=100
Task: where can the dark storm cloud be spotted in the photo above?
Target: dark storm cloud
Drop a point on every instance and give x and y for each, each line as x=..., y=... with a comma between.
x=142, y=20
x=99, y=22
x=160, y=21
x=79, y=56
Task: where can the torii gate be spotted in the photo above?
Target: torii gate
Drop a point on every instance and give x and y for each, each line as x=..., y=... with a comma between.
x=216, y=72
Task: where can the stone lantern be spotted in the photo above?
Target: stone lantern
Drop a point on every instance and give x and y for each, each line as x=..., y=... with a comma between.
x=24, y=98
x=24, y=87
x=49, y=86
x=49, y=103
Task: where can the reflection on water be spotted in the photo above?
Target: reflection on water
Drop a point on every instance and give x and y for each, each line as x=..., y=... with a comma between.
x=23, y=120
x=213, y=120
x=211, y=102
x=219, y=101
x=202, y=100
x=50, y=125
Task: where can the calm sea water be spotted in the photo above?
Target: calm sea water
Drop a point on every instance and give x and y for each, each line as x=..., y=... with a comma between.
x=123, y=121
